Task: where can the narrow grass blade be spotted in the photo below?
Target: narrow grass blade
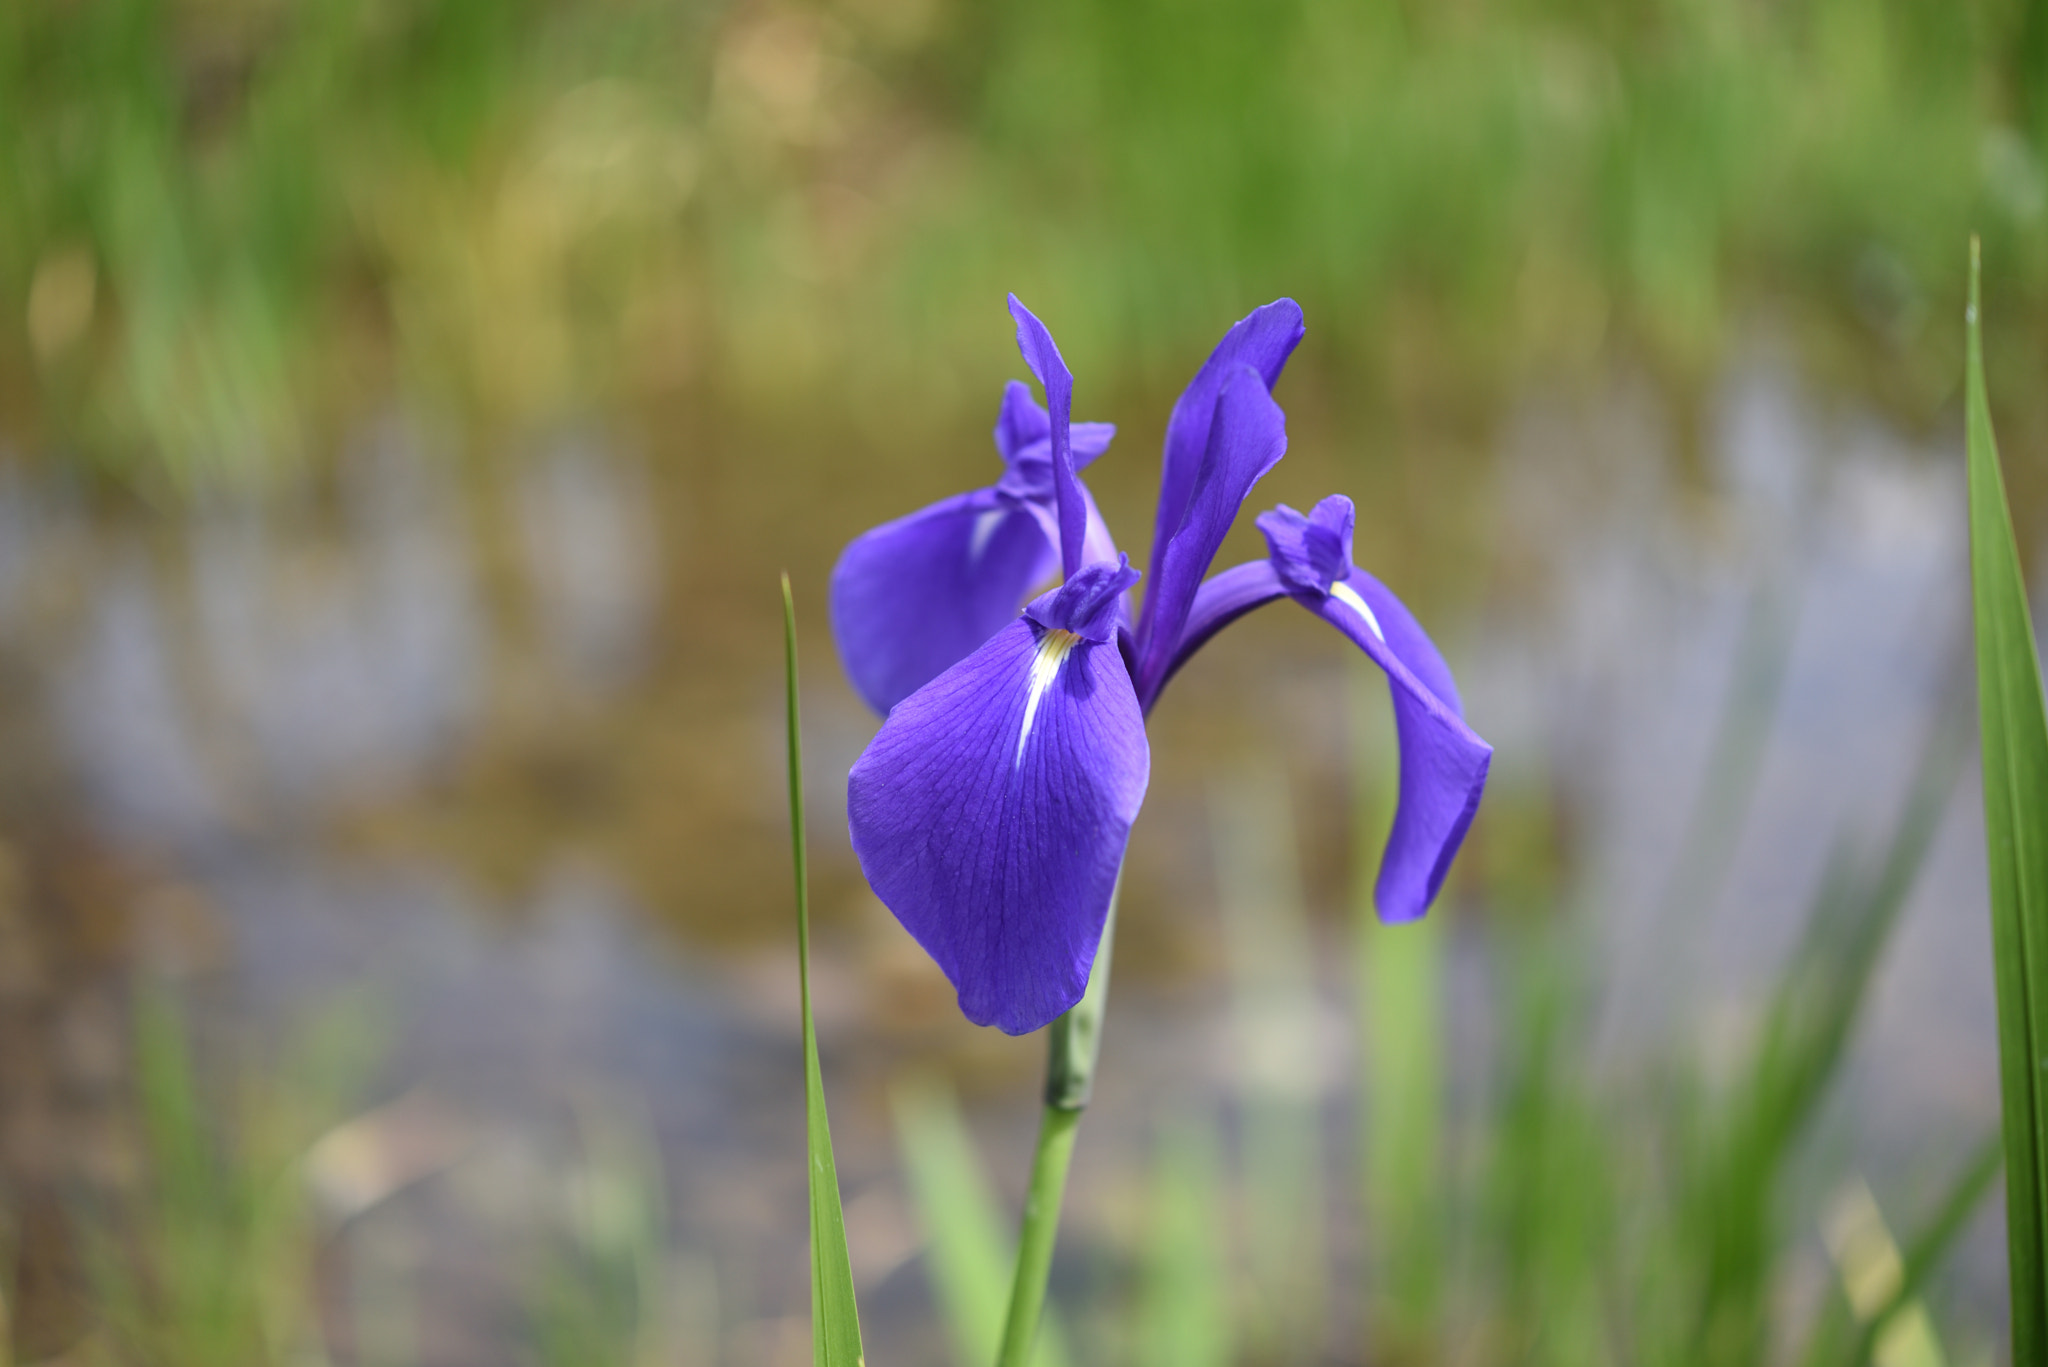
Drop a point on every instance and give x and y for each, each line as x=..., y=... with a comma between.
x=835, y=1319
x=2013, y=732
x=968, y=1247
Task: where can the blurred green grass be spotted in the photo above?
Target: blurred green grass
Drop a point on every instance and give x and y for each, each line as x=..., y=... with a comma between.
x=227, y=225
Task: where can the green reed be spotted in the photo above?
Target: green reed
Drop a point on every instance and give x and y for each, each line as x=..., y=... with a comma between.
x=2014, y=729
x=835, y=1319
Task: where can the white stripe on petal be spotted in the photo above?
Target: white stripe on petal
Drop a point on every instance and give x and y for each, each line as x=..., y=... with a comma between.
x=1053, y=649
x=984, y=532
x=1348, y=596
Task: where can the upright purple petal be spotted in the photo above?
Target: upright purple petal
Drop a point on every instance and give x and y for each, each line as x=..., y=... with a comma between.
x=990, y=812
x=1043, y=357
x=913, y=597
x=1247, y=438
x=1263, y=340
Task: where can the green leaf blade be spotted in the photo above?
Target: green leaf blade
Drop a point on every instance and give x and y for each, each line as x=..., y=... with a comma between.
x=2013, y=729
x=835, y=1317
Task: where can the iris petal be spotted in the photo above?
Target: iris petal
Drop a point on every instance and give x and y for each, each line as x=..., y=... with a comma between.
x=1443, y=764
x=1263, y=339
x=1405, y=637
x=997, y=844
x=1039, y=352
x=915, y=596
x=1247, y=438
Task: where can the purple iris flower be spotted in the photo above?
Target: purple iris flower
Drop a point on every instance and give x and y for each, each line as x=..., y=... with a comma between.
x=991, y=811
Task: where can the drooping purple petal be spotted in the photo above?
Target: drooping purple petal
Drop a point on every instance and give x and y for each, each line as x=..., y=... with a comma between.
x=1406, y=638
x=1263, y=340
x=1443, y=764
x=1036, y=345
x=1247, y=438
x=913, y=597
x=990, y=812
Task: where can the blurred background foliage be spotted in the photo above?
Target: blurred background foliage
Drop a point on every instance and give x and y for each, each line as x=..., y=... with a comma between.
x=687, y=291
x=223, y=223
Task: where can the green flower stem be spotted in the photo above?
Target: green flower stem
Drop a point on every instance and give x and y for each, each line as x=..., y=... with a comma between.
x=1073, y=1044
x=1041, y=1227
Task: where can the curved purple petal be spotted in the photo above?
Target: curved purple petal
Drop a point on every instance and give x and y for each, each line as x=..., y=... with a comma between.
x=1262, y=339
x=1443, y=764
x=1043, y=357
x=990, y=812
x=1406, y=638
x=914, y=597
x=1247, y=438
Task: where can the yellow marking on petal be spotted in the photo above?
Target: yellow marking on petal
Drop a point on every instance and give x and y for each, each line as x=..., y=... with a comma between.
x=1348, y=596
x=1053, y=649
